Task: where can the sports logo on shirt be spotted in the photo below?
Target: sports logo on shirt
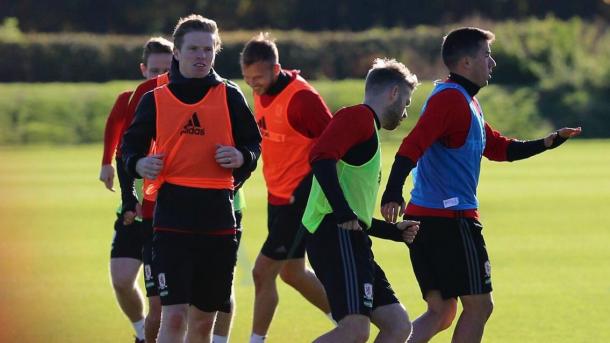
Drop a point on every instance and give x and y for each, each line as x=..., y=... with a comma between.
x=262, y=126
x=193, y=127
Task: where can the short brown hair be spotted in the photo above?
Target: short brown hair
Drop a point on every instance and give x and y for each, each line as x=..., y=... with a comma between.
x=388, y=72
x=260, y=48
x=465, y=41
x=195, y=23
x=156, y=45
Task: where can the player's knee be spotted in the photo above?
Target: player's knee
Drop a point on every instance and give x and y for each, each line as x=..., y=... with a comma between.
x=122, y=284
x=202, y=326
x=175, y=321
x=357, y=328
x=482, y=308
x=399, y=330
x=444, y=313
x=291, y=276
x=360, y=333
x=258, y=276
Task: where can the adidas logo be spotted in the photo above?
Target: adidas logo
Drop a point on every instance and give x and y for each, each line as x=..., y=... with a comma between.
x=262, y=125
x=193, y=127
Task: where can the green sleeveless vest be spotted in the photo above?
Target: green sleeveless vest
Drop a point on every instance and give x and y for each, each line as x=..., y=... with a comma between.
x=360, y=185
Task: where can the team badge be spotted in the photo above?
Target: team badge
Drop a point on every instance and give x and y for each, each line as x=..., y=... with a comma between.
x=162, y=284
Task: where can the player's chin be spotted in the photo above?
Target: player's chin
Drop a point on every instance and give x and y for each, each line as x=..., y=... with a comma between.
x=391, y=126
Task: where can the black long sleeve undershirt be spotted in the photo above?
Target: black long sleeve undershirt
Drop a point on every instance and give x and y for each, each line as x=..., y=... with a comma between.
x=129, y=200
x=325, y=172
x=384, y=230
x=401, y=168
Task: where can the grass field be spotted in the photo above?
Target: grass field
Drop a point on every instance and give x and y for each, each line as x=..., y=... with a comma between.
x=546, y=226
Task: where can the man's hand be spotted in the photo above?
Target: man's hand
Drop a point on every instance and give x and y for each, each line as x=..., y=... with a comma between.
x=391, y=211
x=228, y=156
x=351, y=225
x=409, y=230
x=150, y=166
x=130, y=216
x=556, y=138
x=107, y=176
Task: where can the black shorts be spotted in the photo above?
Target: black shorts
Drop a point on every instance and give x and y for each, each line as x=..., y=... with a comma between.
x=194, y=269
x=345, y=264
x=150, y=281
x=286, y=239
x=127, y=241
x=449, y=255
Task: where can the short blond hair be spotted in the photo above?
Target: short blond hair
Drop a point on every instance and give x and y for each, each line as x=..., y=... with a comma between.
x=387, y=72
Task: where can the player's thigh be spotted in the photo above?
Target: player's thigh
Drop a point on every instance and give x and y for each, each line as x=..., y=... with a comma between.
x=214, y=273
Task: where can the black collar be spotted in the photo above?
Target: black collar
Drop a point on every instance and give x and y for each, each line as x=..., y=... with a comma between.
x=282, y=81
x=468, y=85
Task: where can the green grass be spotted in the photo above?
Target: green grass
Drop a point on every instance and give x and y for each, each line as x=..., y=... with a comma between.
x=546, y=226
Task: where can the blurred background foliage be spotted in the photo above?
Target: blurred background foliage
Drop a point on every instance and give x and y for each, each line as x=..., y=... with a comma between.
x=553, y=57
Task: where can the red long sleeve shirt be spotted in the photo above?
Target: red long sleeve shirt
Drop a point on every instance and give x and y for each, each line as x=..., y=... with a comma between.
x=115, y=125
x=446, y=119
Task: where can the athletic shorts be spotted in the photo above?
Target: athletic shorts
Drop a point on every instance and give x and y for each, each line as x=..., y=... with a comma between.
x=194, y=269
x=286, y=239
x=150, y=280
x=345, y=264
x=449, y=255
x=127, y=241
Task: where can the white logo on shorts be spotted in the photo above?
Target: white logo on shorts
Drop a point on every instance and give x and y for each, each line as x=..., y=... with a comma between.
x=368, y=291
x=487, y=269
x=147, y=272
x=162, y=284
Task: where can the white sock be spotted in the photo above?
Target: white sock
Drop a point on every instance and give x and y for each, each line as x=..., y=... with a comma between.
x=220, y=339
x=257, y=338
x=139, y=328
x=330, y=316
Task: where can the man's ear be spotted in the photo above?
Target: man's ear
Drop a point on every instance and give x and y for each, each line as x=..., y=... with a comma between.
x=394, y=93
x=143, y=69
x=276, y=68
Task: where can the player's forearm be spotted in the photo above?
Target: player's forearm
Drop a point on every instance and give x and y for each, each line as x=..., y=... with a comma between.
x=127, y=185
x=385, y=230
x=401, y=168
x=519, y=150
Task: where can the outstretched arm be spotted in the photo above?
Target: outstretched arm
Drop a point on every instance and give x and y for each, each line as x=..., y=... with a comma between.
x=519, y=150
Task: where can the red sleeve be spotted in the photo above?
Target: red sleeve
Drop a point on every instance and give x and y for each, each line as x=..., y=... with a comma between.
x=142, y=89
x=349, y=127
x=496, y=145
x=114, y=126
x=308, y=114
x=446, y=119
